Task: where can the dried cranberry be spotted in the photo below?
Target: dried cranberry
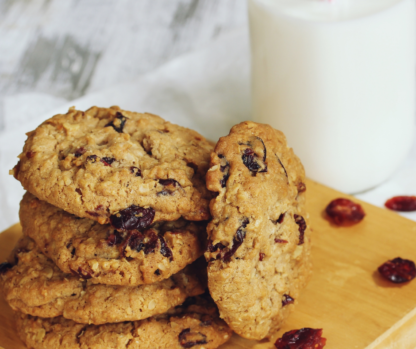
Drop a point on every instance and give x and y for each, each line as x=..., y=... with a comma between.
x=134, y=240
x=280, y=219
x=157, y=272
x=302, y=227
x=170, y=186
x=398, y=270
x=301, y=187
x=280, y=241
x=30, y=154
x=136, y=171
x=79, y=152
x=224, y=167
x=216, y=247
x=402, y=203
x=305, y=338
x=237, y=240
x=188, y=339
x=132, y=218
x=118, y=122
x=165, y=251
x=114, y=239
x=107, y=161
x=169, y=182
x=83, y=273
x=251, y=159
x=344, y=212
x=93, y=158
x=94, y=214
x=287, y=300
x=261, y=256
x=151, y=244
x=4, y=267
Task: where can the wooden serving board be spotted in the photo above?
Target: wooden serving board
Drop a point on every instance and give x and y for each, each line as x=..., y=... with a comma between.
x=346, y=296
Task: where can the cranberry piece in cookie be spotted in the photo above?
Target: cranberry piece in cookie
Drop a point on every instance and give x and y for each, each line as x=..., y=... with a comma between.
x=118, y=122
x=133, y=217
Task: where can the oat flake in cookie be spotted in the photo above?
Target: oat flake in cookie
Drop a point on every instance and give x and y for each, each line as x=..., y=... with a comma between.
x=97, y=163
x=194, y=326
x=35, y=286
x=259, y=243
x=101, y=254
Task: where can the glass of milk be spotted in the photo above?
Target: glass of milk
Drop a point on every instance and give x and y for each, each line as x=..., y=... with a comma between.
x=338, y=78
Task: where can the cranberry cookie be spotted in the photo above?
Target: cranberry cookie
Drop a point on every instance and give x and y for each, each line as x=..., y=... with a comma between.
x=194, y=326
x=259, y=243
x=34, y=285
x=112, y=165
x=103, y=255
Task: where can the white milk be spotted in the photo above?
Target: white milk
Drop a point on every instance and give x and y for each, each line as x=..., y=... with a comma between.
x=338, y=78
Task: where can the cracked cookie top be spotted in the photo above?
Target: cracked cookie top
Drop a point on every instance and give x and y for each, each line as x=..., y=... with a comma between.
x=258, y=247
x=104, y=255
x=104, y=161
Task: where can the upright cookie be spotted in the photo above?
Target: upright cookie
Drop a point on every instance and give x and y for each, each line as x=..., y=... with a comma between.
x=112, y=165
x=259, y=242
x=194, y=326
x=35, y=286
x=103, y=255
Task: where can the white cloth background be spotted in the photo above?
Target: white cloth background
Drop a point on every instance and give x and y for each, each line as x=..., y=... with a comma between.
x=207, y=90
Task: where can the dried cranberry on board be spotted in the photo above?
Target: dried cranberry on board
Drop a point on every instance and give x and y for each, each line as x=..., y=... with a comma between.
x=398, y=270
x=305, y=338
x=401, y=203
x=344, y=212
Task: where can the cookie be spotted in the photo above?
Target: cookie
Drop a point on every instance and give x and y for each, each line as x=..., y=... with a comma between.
x=259, y=237
x=35, y=286
x=119, y=167
x=103, y=255
x=195, y=326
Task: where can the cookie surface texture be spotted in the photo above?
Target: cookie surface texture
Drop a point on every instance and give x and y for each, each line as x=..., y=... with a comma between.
x=259, y=237
x=196, y=326
x=35, y=287
x=103, y=255
x=97, y=163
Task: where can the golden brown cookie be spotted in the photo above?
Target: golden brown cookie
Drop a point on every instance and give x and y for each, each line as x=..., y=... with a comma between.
x=103, y=255
x=259, y=239
x=194, y=326
x=112, y=165
x=34, y=285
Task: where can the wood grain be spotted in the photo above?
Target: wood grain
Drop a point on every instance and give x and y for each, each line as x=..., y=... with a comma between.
x=346, y=296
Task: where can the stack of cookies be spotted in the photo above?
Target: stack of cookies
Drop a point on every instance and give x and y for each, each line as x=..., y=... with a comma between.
x=114, y=225
x=119, y=210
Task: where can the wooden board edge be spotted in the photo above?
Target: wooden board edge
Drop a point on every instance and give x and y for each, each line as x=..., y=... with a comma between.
x=402, y=335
